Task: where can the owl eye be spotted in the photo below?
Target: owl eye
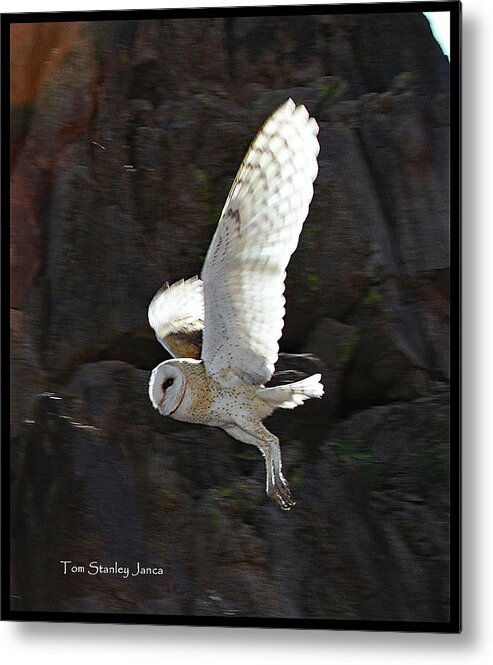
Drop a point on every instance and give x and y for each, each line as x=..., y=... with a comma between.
x=167, y=384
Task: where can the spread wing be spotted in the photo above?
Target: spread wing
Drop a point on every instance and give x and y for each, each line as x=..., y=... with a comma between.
x=177, y=315
x=245, y=266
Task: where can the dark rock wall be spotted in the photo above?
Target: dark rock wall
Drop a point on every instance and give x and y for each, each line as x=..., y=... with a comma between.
x=126, y=136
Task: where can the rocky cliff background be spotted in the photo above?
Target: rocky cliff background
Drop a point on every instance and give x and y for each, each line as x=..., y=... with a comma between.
x=126, y=136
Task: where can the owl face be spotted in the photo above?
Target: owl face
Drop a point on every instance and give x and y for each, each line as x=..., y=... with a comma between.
x=166, y=387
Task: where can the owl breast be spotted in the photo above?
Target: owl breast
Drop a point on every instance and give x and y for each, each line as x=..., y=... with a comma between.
x=208, y=402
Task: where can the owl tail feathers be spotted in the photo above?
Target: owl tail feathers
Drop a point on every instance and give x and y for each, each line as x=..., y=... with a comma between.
x=293, y=394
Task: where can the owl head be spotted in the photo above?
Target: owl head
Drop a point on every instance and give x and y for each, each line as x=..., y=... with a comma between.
x=166, y=387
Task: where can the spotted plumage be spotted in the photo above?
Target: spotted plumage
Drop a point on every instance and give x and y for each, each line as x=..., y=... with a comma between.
x=223, y=329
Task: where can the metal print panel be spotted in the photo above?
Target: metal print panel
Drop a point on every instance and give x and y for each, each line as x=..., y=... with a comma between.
x=231, y=381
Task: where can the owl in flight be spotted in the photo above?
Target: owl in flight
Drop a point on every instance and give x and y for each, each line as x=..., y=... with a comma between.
x=223, y=329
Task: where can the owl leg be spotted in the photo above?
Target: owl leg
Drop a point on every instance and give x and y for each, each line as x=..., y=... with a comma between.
x=277, y=487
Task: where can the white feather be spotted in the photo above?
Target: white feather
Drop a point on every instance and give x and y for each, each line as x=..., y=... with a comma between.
x=177, y=309
x=245, y=267
x=292, y=395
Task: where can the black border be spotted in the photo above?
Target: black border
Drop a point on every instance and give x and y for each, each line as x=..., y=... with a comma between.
x=455, y=623
x=261, y=10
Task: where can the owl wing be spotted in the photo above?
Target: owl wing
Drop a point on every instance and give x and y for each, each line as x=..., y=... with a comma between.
x=177, y=315
x=245, y=266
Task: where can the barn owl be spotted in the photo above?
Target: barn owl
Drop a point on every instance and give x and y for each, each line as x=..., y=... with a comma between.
x=223, y=329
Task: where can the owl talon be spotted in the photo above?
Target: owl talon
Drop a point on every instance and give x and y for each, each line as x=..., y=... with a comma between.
x=282, y=496
x=285, y=504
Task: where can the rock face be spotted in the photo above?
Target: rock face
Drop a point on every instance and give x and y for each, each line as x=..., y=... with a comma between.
x=124, y=149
